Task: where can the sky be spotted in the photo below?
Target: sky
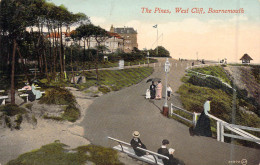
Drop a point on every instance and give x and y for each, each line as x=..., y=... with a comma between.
x=187, y=35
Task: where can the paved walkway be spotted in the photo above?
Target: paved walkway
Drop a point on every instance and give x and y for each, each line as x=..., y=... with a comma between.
x=118, y=114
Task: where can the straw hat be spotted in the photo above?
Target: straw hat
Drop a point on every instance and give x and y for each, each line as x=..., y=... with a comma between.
x=136, y=134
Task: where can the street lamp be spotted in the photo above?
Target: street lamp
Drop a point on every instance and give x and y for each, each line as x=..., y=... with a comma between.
x=167, y=70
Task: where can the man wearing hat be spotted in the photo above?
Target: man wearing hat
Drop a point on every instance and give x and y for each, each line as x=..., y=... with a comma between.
x=136, y=142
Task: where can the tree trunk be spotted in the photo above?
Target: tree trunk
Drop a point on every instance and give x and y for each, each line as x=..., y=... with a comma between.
x=12, y=74
x=73, y=75
x=97, y=65
x=60, y=53
x=24, y=66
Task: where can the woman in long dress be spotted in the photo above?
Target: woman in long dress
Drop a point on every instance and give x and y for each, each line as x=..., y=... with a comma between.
x=203, y=124
x=36, y=92
x=159, y=91
x=152, y=90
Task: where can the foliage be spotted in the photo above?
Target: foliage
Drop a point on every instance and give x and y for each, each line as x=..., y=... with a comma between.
x=116, y=79
x=104, y=89
x=57, y=118
x=71, y=113
x=58, y=96
x=99, y=155
x=29, y=106
x=216, y=71
x=12, y=110
x=256, y=72
x=193, y=98
x=209, y=82
x=56, y=154
x=162, y=52
x=8, y=121
x=18, y=120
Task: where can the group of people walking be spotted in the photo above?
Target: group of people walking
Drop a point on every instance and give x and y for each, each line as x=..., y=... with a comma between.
x=163, y=150
x=155, y=91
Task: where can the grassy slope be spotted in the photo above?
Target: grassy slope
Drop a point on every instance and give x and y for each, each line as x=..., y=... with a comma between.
x=194, y=96
x=116, y=79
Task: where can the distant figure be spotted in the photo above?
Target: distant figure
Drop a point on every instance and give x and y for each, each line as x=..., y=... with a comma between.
x=136, y=142
x=202, y=127
x=148, y=94
x=203, y=62
x=192, y=64
x=159, y=91
x=169, y=92
x=152, y=90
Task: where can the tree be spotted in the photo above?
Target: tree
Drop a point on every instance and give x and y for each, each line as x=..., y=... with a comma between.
x=15, y=16
x=100, y=36
x=162, y=52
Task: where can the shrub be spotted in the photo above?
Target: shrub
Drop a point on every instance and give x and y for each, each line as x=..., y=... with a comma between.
x=104, y=89
x=29, y=106
x=55, y=153
x=58, y=96
x=99, y=155
x=71, y=113
x=8, y=121
x=12, y=110
x=57, y=118
x=19, y=119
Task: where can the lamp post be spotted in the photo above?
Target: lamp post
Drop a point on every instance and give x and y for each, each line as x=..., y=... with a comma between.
x=167, y=70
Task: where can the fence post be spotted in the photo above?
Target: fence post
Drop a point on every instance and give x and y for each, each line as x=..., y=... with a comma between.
x=222, y=132
x=194, y=118
x=171, y=110
x=218, y=130
x=176, y=65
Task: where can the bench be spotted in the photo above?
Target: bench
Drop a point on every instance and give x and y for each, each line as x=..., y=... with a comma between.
x=34, y=70
x=152, y=158
x=3, y=98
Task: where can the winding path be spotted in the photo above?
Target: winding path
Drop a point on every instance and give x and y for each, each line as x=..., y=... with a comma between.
x=118, y=114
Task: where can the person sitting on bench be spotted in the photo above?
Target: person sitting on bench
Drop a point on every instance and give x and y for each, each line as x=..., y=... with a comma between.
x=28, y=88
x=136, y=142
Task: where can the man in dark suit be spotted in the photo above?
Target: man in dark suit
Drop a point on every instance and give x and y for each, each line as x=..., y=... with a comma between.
x=164, y=151
x=136, y=142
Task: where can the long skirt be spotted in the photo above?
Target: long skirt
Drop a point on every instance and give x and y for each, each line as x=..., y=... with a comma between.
x=203, y=126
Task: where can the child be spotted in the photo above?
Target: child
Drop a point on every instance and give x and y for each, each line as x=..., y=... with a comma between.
x=169, y=92
x=148, y=95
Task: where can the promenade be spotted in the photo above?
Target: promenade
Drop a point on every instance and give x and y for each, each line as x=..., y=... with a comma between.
x=118, y=114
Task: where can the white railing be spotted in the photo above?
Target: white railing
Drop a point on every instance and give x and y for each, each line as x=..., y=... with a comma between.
x=194, y=114
x=222, y=125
